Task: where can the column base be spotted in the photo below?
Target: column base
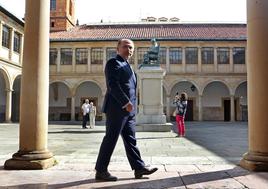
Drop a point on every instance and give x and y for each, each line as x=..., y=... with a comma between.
x=30, y=161
x=255, y=161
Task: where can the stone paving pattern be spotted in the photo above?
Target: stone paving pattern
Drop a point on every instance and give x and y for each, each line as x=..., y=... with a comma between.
x=207, y=157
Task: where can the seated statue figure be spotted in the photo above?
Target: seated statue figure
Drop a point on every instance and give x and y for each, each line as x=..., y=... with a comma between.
x=152, y=56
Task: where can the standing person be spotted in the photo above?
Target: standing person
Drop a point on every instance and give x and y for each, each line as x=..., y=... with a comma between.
x=92, y=115
x=85, y=110
x=120, y=109
x=181, y=107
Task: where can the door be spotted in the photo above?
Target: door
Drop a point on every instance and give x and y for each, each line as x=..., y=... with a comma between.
x=190, y=111
x=227, y=110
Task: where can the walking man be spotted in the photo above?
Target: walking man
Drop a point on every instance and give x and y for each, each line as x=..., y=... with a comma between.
x=120, y=109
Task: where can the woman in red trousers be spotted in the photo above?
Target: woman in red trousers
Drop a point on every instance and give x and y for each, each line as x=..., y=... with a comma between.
x=181, y=107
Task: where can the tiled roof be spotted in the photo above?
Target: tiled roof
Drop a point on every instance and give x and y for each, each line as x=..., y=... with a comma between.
x=161, y=31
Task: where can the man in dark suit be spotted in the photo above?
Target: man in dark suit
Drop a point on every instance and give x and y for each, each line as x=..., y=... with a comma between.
x=120, y=109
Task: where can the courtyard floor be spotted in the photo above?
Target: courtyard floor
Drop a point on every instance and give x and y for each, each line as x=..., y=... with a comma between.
x=207, y=157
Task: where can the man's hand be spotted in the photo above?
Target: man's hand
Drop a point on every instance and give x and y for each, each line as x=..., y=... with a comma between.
x=129, y=107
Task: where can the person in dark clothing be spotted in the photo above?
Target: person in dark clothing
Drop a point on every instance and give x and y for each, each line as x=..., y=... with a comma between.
x=120, y=108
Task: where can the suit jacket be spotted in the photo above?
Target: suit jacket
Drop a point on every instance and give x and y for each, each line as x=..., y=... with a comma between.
x=121, y=85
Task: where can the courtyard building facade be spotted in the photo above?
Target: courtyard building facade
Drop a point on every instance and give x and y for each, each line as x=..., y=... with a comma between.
x=207, y=61
x=11, y=43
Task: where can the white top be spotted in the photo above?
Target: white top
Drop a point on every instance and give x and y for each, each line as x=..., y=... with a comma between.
x=86, y=108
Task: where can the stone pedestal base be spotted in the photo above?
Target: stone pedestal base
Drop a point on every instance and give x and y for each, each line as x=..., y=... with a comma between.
x=154, y=127
x=150, y=119
x=30, y=161
x=255, y=162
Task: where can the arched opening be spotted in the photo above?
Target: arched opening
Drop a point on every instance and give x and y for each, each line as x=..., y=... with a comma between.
x=192, y=106
x=88, y=90
x=2, y=96
x=59, y=102
x=241, y=102
x=216, y=102
x=15, y=116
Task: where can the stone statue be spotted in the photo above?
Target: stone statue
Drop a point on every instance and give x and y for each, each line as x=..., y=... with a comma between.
x=151, y=58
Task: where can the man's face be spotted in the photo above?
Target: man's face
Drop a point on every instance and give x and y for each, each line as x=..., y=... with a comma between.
x=126, y=49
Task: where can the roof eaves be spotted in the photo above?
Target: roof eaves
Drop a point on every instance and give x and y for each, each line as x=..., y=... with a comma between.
x=145, y=39
x=9, y=14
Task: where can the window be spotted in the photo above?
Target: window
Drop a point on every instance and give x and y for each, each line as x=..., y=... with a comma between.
x=191, y=55
x=141, y=52
x=81, y=56
x=207, y=54
x=239, y=55
x=162, y=55
x=52, y=24
x=53, y=56
x=52, y=5
x=110, y=53
x=96, y=56
x=132, y=59
x=17, y=45
x=6, y=36
x=223, y=55
x=175, y=55
x=66, y=55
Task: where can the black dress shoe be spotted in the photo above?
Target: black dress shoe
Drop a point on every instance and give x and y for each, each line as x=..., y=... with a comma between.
x=144, y=171
x=105, y=176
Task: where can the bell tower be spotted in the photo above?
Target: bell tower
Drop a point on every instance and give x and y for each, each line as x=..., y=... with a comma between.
x=62, y=15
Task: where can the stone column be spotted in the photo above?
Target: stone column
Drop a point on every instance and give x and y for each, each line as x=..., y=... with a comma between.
x=135, y=60
x=104, y=58
x=183, y=60
x=256, y=159
x=21, y=48
x=11, y=45
x=58, y=60
x=89, y=60
x=199, y=60
x=231, y=60
x=33, y=152
x=73, y=60
x=1, y=29
x=215, y=60
x=200, y=108
x=232, y=108
x=73, y=108
x=168, y=107
x=167, y=58
x=8, y=106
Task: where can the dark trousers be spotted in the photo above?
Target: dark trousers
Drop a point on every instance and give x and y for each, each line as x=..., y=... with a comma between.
x=85, y=120
x=116, y=125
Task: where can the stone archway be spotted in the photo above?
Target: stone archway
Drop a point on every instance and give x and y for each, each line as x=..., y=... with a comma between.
x=3, y=97
x=192, y=91
x=216, y=102
x=59, y=102
x=16, y=99
x=241, y=99
x=5, y=94
x=92, y=91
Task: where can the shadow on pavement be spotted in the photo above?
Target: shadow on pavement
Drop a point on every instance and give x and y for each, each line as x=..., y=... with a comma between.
x=160, y=183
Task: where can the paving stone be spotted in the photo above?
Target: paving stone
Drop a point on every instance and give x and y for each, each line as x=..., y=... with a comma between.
x=206, y=158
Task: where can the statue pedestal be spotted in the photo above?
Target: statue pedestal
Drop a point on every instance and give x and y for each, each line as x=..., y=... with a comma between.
x=150, y=115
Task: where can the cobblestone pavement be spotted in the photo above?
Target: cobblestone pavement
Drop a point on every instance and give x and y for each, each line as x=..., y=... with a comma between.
x=207, y=157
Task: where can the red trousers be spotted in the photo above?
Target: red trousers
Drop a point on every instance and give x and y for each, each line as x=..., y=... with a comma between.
x=180, y=125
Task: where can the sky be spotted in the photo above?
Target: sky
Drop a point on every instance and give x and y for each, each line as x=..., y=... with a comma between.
x=92, y=11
